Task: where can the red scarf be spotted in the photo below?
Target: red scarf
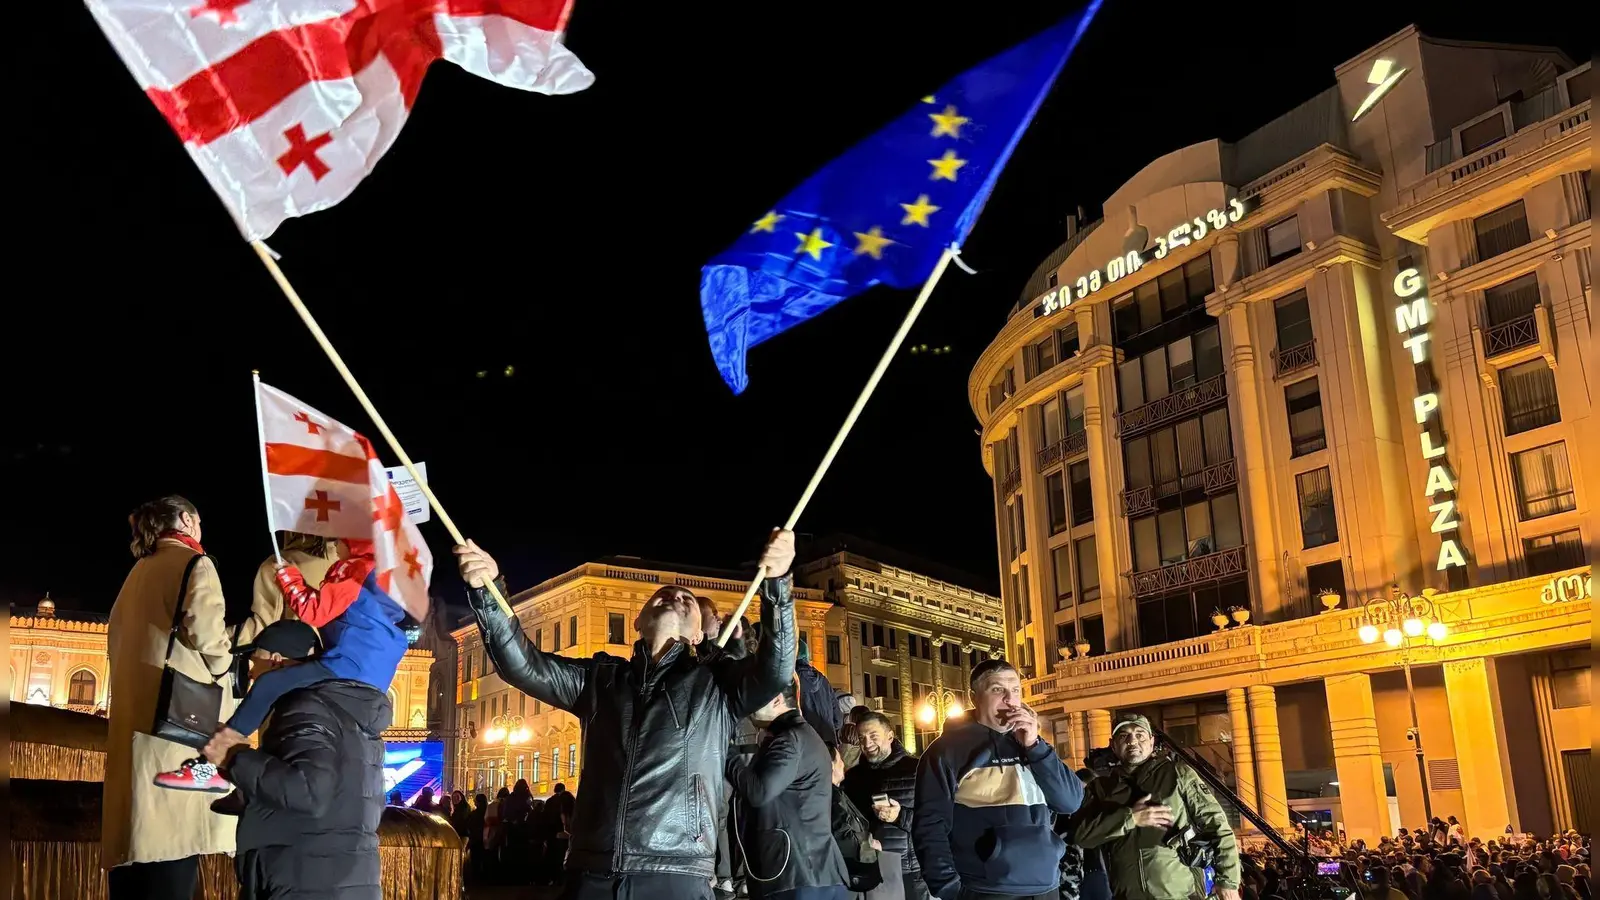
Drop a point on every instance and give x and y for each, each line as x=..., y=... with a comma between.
x=187, y=541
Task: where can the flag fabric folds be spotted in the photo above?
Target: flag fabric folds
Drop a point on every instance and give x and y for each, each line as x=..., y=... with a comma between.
x=286, y=105
x=885, y=211
x=325, y=479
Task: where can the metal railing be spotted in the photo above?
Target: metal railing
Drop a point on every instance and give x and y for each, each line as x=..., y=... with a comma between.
x=1010, y=482
x=1221, y=477
x=1509, y=336
x=1173, y=406
x=1138, y=500
x=1292, y=359
x=1076, y=443
x=1210, y=567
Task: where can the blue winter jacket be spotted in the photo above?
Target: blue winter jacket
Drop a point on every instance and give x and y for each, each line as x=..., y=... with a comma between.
x=365, y=643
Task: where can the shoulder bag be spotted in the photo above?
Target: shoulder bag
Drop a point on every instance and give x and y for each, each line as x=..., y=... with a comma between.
x=186, y=710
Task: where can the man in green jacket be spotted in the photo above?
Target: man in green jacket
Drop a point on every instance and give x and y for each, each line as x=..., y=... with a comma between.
x=1144, y=811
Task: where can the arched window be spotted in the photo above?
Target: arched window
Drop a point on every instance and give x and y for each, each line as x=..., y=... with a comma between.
x=81, y=688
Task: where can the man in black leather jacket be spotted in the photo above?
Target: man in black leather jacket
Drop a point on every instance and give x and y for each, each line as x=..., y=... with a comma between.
x=656, y=729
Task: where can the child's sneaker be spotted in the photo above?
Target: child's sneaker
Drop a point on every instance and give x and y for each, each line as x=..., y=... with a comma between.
x=195, y=775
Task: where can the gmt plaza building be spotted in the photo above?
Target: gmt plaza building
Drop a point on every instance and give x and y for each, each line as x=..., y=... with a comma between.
x=1294, y=450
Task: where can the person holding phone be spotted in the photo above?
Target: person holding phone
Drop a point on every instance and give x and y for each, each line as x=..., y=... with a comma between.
x=883, y=785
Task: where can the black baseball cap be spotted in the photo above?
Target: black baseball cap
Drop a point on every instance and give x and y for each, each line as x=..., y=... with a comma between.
x=289, y=638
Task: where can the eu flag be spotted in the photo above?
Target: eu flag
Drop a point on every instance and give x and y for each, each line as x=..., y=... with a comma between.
x=885, y=211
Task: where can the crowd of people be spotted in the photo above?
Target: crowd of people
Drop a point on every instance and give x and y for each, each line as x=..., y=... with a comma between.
x=710, y=772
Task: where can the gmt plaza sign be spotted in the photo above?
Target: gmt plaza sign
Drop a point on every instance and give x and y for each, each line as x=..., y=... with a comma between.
x=1120, y=267
x=1411, y=319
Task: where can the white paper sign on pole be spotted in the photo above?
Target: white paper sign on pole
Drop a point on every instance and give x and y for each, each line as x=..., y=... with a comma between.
x=410, y=494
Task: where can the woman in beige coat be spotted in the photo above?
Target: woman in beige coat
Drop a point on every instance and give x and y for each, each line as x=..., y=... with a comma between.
x=151, y=839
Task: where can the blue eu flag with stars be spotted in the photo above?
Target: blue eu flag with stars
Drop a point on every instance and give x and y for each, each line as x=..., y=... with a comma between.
x=884, y=212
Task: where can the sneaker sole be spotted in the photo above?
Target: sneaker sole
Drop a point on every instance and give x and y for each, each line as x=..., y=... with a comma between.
x=194, y=790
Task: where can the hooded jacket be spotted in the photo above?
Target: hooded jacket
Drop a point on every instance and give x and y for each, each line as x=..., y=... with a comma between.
x=655, y=734
x=314, y=794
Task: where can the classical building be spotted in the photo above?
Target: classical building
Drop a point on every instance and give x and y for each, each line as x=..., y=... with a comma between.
x=901, y=641
x=1297, y=431
x=59, y=659
x=502, y=734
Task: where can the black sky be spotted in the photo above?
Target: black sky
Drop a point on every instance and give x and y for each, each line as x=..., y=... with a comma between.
x=563, y=237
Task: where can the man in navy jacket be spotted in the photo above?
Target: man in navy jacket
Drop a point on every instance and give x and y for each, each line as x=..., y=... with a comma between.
x=986, y=789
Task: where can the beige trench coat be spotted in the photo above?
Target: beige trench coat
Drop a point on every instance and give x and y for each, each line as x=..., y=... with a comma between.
x=141, y=822
x=266, y=600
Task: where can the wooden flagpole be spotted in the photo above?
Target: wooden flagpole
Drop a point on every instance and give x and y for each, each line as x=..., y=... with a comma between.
x=949, y=254
x=366, y=404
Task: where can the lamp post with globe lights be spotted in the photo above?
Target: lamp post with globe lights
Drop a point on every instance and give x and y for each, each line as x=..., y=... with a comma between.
x=507, y=732
x=1397, y=620
x=939, y=705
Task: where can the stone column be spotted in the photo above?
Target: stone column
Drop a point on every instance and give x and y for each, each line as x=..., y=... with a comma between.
x=1254, y=454
x=939, y=706
x=1471, y=689
x=1560, y=795
x=1099, y=728
x=1269, y=755
x=1244, y=757
x=908, y=706
x=1363, y=799
x=1072, y=750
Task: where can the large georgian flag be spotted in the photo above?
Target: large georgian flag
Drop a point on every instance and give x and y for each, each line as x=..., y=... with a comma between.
x=325, y=479
x=286, y=105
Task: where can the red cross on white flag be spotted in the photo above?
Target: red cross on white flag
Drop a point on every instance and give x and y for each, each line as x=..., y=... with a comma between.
x=286, y=105
x=328, y=481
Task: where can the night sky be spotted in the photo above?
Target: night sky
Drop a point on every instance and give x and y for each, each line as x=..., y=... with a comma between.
x=561, y=238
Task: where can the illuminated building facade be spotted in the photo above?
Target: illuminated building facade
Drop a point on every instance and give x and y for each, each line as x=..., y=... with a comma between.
x=502, y=734
x=900, y=641
x=59, y=659
x=1335, y=374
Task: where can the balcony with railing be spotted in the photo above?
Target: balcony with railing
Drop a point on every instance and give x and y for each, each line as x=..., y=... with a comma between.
x=1176, y=405
x=882, y=656
x=1010, y=482
x=1075, y=444
x=1288, y=360
x=1523, y=616
x=1213, y=479
x=1190, y=572
x=1520, y=332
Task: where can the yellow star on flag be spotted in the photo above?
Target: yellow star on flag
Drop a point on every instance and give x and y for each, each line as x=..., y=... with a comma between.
x=928, y=99
x=917, y=213
x=812, y=243
x=767, y=222
x=946, y=166
x=947, y=123
x=871, y=242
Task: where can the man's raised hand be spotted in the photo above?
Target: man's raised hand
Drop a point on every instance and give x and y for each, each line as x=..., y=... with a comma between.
x=779, y=554
x=477, y=567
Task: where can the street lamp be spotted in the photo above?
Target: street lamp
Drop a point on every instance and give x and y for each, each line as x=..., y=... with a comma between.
x=938, y=706
x=1399, y=619
x=507, y=731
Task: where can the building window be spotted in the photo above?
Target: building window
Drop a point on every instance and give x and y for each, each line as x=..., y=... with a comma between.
x=1066, y=634
x=1501, y=231
x=835, y=650
x=1170, y=295
x=555, y=762
x=1074, y=411
x=893, y=640
x=1061, y=564
x=1019, y=530
x=1050, y=422
x=1068, y=339
x=572, y=760
x=1544, y=481
x=1512, y=300
x=1088, y=569
x=1553, y=552
x=572, y=632
x=1304, y=402
x=1053, y=279
x=1283, y=240
x=466, y=666
x=894, y=689
x=1093, y=632
x=1082, y=494
x=1041, y=357
x=535, y=770
x=555, y=637
x=614, y=626
x=81, y=689
x=1056, y=501
x=1318, y=524
x=1324, y=577
x=1569, y=679
x=1293, y=316
x=1528, y=393
x=880, y=686
x=1478, y=135
x=877, y=635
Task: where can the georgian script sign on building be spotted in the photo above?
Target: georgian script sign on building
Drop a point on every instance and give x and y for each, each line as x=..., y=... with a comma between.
x=1411, y=319
x=1578, y=586
x=1120, y=267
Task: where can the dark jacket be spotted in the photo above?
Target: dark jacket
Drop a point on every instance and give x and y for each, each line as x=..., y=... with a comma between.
x=853, y=833
x=896, y=776
x=819, y=704
x=655, y=734
x=314, y=794
x=784, y=803
x=984, y=812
